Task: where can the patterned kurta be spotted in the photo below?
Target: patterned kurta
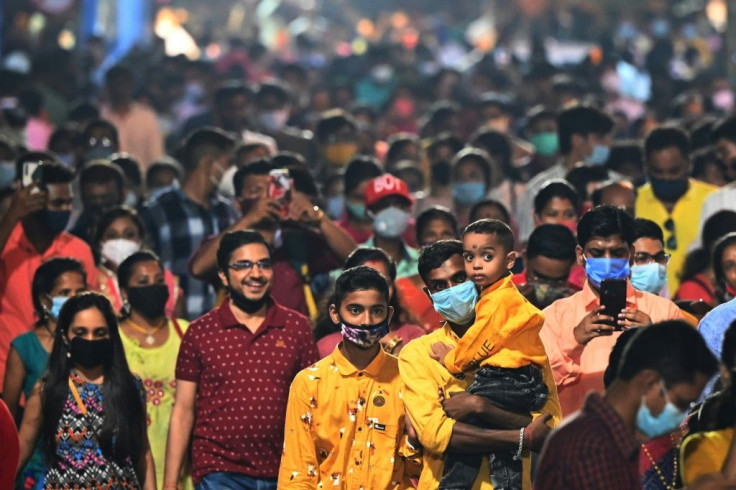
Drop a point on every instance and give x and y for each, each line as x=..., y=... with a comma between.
x=80, y=463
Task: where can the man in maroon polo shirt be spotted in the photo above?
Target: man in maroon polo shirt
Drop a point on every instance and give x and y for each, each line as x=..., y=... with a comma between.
x=233, y=373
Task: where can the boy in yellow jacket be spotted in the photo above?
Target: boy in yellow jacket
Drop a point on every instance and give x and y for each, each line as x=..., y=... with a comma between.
x=503, y=342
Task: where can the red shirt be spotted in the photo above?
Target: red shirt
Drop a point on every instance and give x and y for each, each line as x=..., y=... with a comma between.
x=9, y=449
x=594, y=449
x=243, y=384
x=19, y=261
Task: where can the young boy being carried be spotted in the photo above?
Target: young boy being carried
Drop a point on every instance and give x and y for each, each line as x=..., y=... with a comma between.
x=503, y=342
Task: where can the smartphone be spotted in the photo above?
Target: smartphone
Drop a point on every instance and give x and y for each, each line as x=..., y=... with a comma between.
x=32, y=172
x=613, y=299
x=280, y=186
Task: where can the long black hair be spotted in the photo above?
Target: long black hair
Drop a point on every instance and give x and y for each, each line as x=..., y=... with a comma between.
x=726, y=412
x=122, y=404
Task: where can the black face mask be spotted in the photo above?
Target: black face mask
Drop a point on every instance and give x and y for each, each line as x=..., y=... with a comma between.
x=441, y=173
x=149, y=301
x=91, y=353
x=55, y=221
x=248, y=305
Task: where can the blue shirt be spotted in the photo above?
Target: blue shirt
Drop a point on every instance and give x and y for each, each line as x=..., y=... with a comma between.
x=713, y=327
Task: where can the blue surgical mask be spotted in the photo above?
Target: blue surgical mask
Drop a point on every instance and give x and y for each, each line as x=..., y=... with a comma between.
x=67, y=159
x=649, y=278
x=666, y=422
x=468, y=192
x=335, y=206
x=391, y=222
x=7, y=173
x=357, y=210
x=131, y=199
x=598, y=269
x=56, y=303
x=457, y=304
x=599, y=155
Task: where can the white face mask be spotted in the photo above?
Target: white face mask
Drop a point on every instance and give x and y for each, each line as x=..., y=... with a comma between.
x=119, y=249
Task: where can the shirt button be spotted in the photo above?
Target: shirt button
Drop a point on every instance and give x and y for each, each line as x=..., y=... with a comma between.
x=360, y=429
x=360, y=374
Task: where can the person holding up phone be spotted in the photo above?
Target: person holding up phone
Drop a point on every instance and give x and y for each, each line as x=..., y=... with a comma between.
x=32, y=232
x=577, y=334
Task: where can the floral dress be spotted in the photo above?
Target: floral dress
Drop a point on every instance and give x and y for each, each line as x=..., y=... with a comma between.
x=156, y=366
x=80, y=463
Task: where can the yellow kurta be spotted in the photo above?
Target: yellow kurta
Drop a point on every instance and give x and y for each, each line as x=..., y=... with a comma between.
x=686, y=217
x=704, y=453
x=422, y=376
x=156, y=366
x=345, y=428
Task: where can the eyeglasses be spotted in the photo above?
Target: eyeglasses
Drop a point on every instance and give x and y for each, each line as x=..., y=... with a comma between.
x=246, y=265
x=671, y=242
x=643, y=258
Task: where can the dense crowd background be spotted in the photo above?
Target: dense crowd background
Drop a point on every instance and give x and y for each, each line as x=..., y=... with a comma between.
x=398, y=128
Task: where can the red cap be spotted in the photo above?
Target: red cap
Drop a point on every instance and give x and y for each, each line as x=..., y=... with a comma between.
x=386, y=185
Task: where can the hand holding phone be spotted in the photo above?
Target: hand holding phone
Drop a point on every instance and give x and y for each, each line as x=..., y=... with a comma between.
x=280, y=185
x=32, y=172
x=613, y=299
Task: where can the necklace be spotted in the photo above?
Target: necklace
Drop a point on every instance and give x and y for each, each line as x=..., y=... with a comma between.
x=667, y=485
x=149, y=332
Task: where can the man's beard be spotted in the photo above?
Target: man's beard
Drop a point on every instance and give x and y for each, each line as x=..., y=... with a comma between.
x=248, y=305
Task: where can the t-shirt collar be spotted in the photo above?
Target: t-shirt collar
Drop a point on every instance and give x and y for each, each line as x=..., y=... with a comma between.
x=274, y=318
x=346, y=368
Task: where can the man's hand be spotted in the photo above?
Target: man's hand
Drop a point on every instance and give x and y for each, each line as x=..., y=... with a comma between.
x=264, y=208
x=411, y=433
x=303, y=210
x=593, y=325
x=439, y=351
x=536, y=432
x=461, y=405
x=631, y=318
x=26, y=201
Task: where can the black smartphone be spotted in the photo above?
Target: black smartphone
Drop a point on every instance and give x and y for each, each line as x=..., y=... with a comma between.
x=613, y=299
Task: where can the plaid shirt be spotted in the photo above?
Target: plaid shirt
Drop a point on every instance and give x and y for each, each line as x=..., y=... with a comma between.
x=176, y=226
x=593, y=450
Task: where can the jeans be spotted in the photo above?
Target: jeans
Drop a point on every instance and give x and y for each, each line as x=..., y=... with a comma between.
x=519, y=390
x=234, y=481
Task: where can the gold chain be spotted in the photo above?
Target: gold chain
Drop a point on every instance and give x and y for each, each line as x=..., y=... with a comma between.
x=149, y=332
x=674, y=465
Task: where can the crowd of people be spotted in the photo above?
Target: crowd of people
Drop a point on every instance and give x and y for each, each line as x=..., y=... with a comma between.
x=362, y=272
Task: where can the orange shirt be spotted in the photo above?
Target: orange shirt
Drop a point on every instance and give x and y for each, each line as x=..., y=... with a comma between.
x=505, y=332
x=18, y=263
x=579, y=368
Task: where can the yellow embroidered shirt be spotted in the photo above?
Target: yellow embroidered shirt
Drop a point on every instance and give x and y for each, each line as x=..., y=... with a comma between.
x=345, y=428
x=505, y=332
x=422, y=377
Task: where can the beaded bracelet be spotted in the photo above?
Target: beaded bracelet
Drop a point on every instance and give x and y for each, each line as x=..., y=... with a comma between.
x=517, y=456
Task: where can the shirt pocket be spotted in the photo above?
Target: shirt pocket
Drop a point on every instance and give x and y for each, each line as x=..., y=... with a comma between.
x=381, y=448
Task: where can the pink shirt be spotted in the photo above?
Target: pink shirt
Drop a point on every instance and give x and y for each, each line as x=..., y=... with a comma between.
x=138, y=132
x=578, y=368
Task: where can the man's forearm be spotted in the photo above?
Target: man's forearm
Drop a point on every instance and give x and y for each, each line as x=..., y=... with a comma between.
x=470, y=439
x=180, y=429
x=502, y=419
x=339, y=240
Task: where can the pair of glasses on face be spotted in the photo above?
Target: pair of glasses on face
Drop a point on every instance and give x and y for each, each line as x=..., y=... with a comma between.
x=671, y=242
x=247, y=265
x=643, y=258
